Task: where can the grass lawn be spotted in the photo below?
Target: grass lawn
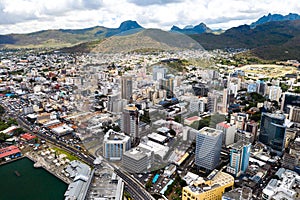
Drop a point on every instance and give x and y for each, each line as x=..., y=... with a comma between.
x=61, y=151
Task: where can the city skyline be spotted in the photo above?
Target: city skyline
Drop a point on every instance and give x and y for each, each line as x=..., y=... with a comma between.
x=24, y=16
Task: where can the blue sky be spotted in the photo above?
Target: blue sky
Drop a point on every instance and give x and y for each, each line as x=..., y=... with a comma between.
x=23, y=16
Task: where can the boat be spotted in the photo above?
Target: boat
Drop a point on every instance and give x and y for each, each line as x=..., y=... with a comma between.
x=17, y=173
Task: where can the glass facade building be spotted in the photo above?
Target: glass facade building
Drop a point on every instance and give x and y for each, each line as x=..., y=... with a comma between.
x=272, y=131
x=208, y=147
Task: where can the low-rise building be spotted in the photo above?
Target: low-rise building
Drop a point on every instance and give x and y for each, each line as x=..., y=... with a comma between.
x=10, y=152
x=210, y=188
x=82, y=175
x=283, y=188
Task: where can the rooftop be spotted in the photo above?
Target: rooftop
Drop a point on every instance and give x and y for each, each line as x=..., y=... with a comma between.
x=275, y=115
x=219, y=179
x=157, y=137
x=210, y=131
x=115, y=136
x=82, y=174
x=240, y=144
x=136, y=153
x=130, y=107
x=27, y=136
x=7, y=151
x=224, y=124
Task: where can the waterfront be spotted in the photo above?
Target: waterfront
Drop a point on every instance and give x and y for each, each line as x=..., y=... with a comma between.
x=21, y=181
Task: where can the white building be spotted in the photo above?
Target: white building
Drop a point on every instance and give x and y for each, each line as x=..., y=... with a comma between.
x=228, y=132
x=197, y=105
x=137, y=160
x=115, y=144
x=274, y=93
x=282, y=188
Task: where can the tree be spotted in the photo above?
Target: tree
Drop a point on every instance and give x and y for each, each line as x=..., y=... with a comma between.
x=3, y=136
x=19, y=131
x=172, y=132
x=284, y=87
x=177, y=118
x=2, y=110
x=148, y=185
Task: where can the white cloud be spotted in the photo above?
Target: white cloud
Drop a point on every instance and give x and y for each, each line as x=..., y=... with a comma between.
x=18, y=16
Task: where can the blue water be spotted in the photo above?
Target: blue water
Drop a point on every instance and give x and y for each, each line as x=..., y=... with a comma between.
x=32, y=184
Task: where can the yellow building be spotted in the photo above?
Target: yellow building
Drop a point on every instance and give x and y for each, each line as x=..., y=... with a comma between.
x=210, y=188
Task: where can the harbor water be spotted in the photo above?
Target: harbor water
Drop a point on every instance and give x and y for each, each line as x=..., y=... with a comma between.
x=21, y=181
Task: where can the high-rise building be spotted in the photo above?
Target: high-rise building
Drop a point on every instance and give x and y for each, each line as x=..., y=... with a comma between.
x=239, y=158
x=228, y=132
x=288, y=98
x=130, y=122
x=197, y=105
x=275, y=93
x=252, y=127
x=225, y=101
x=212, y=102
x=252, y=87
x=261, y=87
x=208, y=147
x=294, y=115
x=159, y=73
x=200, y=89
x=239, y=119
x=115, y=144
x=211, y=187
x=137, y=160
x=167, y=84
x=126, y=90
x=273, y=131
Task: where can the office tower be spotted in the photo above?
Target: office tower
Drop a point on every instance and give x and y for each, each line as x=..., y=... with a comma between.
x=197, y=105
x=244, y=136
x=200, y=89
x=137, y=160
x=288, y=98
x=208, y=147
x=126, y=87
x=294, y=115
x=261, y=87
x=159, y=73
x=212, y=101
x=228, y=132
x=239, y=119
x=225, y=100
x=130, y=123
x=115, y=144
x=272, y=131
x=167, y=84
x=252, y=87
x=275, y=93
x=252, y=127
x=239, y=158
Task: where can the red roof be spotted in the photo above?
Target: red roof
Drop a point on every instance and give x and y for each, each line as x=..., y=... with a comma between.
x=27, y=136
x=193, y=118
x=7, y=151
x=223, y=124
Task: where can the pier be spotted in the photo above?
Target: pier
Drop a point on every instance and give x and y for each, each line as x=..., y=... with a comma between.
x=38, y=163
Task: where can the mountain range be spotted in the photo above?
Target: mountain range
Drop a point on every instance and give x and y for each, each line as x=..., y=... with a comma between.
x=270, y=37
x=200, y=28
